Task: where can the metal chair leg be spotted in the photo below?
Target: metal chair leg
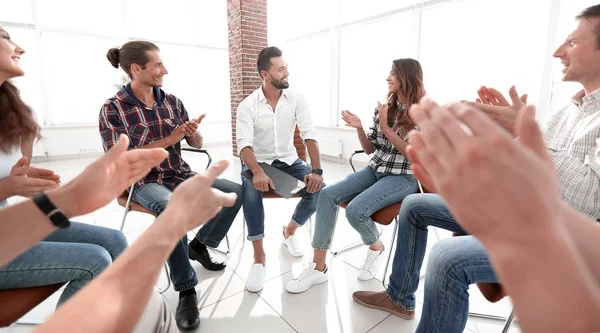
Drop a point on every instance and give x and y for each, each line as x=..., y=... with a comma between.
x=228, y=248
x=162, y=291
x=487, y=316
x=509, y=321
x=243, y=233
x=29, y=322
x=127, y=207
x=391, y=250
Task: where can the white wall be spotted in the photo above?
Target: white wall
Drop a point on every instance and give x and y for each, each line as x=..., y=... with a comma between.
x=349, y=139
x=70, y=141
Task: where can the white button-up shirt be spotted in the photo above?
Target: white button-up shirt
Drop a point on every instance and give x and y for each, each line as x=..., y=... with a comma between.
x=270, y=133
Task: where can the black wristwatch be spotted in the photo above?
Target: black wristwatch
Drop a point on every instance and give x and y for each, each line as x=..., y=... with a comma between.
x=318, y=171
x=55, y=215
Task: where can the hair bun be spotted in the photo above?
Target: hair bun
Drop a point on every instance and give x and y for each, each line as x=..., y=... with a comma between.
x=113, y=57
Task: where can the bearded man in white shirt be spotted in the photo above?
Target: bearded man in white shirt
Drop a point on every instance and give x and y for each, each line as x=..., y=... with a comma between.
x=266, y=121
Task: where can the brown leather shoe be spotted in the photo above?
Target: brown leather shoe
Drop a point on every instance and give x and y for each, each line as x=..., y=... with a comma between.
x=381, y=301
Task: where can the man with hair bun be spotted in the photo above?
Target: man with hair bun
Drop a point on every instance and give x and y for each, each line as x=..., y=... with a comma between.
x=152, y=118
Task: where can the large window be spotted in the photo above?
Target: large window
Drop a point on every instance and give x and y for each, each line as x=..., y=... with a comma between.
x=461, y=44
x=366, y=56
x=68, y=77
x=484, y=42
x=310, y=74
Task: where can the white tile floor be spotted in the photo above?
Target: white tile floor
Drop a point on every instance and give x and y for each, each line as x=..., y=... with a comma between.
x=227, y=307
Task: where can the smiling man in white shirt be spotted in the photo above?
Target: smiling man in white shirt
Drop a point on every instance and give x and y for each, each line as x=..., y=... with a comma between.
x=266, y=121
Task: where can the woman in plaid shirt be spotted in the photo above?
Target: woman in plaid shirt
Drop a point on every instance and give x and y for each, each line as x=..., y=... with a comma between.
x=385, y=181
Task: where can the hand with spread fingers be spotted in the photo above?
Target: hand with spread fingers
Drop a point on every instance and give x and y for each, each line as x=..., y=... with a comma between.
x=351, y=120
x=483, y=171
x=497, y=107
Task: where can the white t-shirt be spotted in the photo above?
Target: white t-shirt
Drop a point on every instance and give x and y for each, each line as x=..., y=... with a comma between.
x=7, y=161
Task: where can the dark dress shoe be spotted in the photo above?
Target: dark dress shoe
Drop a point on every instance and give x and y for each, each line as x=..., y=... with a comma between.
x=204, y=258
x=188, y=314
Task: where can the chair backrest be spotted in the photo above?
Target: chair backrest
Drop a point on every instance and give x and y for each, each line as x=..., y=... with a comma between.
x=15, y=303
x=300, y=147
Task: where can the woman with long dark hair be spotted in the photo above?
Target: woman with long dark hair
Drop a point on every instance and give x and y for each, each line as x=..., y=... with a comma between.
x=385, y=181
x=74, y=255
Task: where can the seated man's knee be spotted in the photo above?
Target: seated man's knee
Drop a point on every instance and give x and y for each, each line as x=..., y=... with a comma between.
x=413, y=206
x=446, y=258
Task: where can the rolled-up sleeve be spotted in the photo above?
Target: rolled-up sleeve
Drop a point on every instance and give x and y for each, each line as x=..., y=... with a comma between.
x=244, y=128
x=304, y=119
x=110, y=126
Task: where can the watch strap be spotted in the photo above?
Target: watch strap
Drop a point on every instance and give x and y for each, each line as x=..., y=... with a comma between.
x=54, y=214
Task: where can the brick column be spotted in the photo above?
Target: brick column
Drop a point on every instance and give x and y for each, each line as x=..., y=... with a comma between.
x=247, y=23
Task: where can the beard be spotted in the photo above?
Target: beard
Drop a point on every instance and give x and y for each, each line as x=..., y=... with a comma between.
x=279, y=85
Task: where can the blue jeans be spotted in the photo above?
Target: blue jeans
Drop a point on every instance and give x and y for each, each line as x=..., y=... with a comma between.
x=369, y=191
x=154, y=197
x=454, y=264
x=254, y=210
x=418, y=211
x=75, y=255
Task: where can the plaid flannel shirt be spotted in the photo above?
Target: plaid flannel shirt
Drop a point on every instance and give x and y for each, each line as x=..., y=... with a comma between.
x=573, y=140
x=387, y=159
x=126, y=114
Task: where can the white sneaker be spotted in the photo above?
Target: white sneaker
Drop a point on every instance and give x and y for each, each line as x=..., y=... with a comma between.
x=293, y=245
x=369, y=269
x=256, y=278
x=309, y=277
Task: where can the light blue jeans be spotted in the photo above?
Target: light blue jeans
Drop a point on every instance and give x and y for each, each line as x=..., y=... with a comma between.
x=454, y=264
x=369, y=191
x=74, y=255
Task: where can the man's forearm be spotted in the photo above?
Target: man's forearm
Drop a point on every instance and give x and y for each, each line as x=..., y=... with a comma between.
x=114, y=301
x=585, y=234
x=530, y=273
x=162, y=143
x=196, y=140
x=313, y=152
x=249, y=159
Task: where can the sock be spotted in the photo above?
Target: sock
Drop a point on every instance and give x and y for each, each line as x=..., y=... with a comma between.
x=197, y=246
x=183, y=293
